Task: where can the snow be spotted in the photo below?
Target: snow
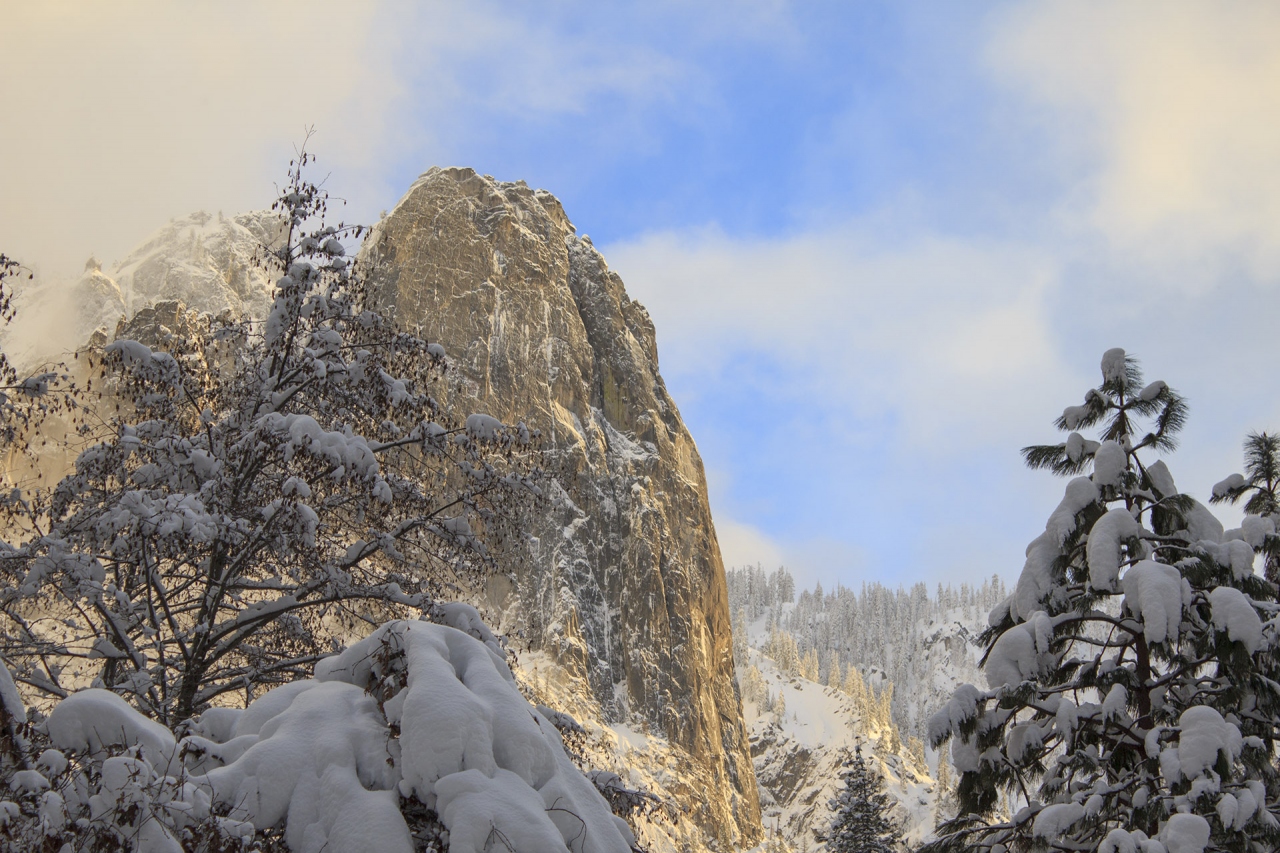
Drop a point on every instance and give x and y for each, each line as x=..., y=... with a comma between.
x=1080, y=492
x=962, y=706
x=1016, y=655
x=1056, y=820
x=1153, y=592
x=1023, y=738
x=799, y=752
x=1155, y=389
x=1103, y=548
x=1113, y=365
x=92, y=720
x=1240, y=558
x=1233, y=612
x=1158, y=473
x=1205, y=735
x=484, y=427
x=1203, y=524
x=29, y=781
x=325, y=767
x=1185, y=833
x=1118, y=841
x=461, y=715
x=345, y=452
x=1036, y=580
x=321, y=757
x=1075, y=446
x=1255, y=529
x=10, y=700
x=1109, y=463
x=1225, y=487
x=1073, y=416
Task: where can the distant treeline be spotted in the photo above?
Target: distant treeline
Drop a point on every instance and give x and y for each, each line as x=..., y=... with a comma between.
x=892, y=636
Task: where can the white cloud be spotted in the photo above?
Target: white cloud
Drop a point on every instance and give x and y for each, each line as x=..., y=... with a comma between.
x=943, y=357
x=910, y=325
x=1171, y=106
x=742, y=544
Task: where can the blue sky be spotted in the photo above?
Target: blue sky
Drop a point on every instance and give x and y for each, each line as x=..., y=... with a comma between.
x=884, y=244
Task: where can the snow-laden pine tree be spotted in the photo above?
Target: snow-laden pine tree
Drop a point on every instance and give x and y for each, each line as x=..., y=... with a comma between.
x=248, y=491
x=1260, y=490
x=862, y=821
x=1133, y=677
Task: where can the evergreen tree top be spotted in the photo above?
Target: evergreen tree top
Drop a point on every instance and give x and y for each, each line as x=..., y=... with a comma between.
x=862, y=821
x=1131, y=701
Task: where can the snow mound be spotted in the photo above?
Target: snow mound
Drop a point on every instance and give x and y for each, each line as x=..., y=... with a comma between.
x=93, y=720
x=1233, y=612
x=416, y=710
x=325, y=767
x=472, y=747
x=1153, y=592
x=1109, y=463
x=1019, y=653
x=1106, y=539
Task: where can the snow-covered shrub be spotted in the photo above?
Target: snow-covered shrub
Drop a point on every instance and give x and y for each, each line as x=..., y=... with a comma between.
x=417, y=728
x=1133, y=676
x=248, y=491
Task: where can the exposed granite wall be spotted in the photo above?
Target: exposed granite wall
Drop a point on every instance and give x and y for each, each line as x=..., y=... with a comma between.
x=625, y=583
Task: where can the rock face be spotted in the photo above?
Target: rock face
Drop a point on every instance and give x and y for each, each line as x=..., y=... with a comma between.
x=624, y=583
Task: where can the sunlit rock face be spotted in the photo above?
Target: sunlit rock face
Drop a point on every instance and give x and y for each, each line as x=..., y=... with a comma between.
x=624, y=583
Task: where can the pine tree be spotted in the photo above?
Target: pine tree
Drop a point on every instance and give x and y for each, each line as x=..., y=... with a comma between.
x=1131, y=676
x=1262, y=485
x=833, y=669
x=945, y=803
x=740, y=638
x=915, y=752
x=857, y=689
x=809, y=665
x=862, y=823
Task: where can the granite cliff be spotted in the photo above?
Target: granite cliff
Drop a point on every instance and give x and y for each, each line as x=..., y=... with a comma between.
x=622, y=583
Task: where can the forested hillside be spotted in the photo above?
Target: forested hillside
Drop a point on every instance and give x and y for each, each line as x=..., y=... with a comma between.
x=900, y=648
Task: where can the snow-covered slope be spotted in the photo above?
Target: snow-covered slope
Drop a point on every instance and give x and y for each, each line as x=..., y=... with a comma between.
x=922, y=644
x=642, y=758
x=799, y=746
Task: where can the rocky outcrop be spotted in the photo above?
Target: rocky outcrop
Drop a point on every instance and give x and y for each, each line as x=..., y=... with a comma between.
x=623, y=582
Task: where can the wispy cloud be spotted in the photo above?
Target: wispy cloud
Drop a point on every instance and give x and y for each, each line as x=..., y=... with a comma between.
x=1168, y=111
x=913, y=322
